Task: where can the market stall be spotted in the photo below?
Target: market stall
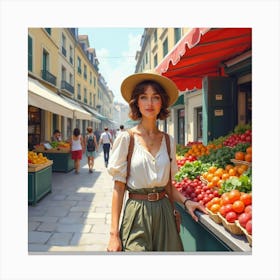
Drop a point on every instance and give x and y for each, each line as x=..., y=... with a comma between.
x=59, y=153
x=207, y=235
x=39, y=177
x=219, y=176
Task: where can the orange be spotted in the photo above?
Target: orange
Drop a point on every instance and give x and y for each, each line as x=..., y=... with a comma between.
x=215, y=208
x=215, y=180
x=212, y=169
x=232, y=172
x=248, y=157
x=249, y=150
x=228, y=167
x=239, y=155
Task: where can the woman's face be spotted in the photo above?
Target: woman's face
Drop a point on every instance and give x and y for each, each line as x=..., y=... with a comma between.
x=149, y=103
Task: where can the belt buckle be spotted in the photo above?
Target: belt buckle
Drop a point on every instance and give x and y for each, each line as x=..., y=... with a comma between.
x=150, y=195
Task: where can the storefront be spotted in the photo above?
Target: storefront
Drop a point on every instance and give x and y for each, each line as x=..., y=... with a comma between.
x=47, y=111
x=217, y=61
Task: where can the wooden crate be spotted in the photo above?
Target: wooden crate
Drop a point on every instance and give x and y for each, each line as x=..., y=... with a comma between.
x=37, y=167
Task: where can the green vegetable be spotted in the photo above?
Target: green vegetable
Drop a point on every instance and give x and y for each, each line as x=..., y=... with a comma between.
x=243, y=183
x=191, y=170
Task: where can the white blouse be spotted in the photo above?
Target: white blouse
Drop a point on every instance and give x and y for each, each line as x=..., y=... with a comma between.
x=146, y=171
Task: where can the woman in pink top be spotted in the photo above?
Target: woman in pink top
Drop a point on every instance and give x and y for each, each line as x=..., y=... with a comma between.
x=77, y=148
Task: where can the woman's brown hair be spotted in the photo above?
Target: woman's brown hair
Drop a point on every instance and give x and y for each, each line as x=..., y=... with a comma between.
x=135, y=113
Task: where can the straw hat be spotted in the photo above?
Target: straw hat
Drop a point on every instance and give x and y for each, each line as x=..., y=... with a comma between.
x=131, y=81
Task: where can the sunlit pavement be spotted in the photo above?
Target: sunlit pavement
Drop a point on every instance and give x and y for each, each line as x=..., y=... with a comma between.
x=76, y=215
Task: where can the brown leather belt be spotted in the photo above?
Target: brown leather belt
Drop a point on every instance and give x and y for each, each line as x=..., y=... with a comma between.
x=155, y=196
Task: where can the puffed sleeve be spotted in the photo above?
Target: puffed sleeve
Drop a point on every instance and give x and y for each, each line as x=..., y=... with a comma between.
x=174, y=166
x=118, y=157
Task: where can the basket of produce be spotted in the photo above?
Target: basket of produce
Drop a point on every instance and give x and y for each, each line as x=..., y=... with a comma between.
x=248, y=236
x=214, y=216
x=39, y=166
x=230, y=226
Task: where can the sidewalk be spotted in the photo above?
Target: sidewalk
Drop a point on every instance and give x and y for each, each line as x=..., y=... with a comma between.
x=76, y=216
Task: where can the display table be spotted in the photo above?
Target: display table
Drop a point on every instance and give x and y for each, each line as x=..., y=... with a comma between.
x=206, y=235
x=62, y=161
x=39, y=182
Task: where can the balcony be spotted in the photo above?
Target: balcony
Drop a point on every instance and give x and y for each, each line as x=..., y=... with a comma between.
x=67, y=86
x=47, y=76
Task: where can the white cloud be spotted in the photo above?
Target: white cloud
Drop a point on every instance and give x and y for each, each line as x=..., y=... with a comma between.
x=114, y=70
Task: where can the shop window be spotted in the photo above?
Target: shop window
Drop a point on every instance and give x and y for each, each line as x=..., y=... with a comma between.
x=165, y=47
x=34, y=127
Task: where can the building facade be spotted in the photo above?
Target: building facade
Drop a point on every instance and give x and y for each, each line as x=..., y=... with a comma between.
x=63, y=85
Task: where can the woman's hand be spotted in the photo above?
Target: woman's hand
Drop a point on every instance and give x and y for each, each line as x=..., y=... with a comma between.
x=115, y=244
x=192, y=206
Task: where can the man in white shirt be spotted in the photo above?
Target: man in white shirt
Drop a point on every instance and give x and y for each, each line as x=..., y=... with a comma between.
x=106, y=140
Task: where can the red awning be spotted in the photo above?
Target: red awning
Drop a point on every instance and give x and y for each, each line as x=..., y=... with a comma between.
x=205, y=51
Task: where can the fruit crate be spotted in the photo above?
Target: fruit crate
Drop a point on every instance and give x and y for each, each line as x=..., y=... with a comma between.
x=36, y=167
x=231, y=227
x=39, y=184
x=215, y=217
x=248, y=236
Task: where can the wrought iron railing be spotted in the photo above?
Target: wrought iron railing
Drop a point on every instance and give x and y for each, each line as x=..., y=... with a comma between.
x=47, y=76
x=67, y=86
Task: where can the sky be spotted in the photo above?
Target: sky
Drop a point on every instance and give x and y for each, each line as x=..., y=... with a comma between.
x=115, y=50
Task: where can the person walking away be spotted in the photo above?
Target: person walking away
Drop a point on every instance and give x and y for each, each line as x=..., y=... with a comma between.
x=91, y=146
x=148, y=222
x=107, y=142
x=77, y=148
x=120, y=130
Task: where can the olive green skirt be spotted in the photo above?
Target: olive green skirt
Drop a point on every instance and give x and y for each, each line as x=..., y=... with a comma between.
x=149, y=225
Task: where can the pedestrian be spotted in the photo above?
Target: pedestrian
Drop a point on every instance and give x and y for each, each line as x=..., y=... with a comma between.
x=148, y=222
x=120, y=130
x=77, y=148
x=90, y=144
x=107, y=142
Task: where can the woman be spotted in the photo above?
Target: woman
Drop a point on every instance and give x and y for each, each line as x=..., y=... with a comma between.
x=146, y=225
x=91, y=146
x=77, y=148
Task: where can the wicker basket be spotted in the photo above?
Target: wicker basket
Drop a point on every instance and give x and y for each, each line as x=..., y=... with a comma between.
x=231, y=227
x=215, y=217
x=241, y=162
x=248, y=236
x=203, y=180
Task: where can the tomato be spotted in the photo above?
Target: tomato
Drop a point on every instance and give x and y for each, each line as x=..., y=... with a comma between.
x=249, y=227
x=238, y=206
x=231, y=216
x=223, y=211
x=246, y=198
x=228, y=207
x=248, y=209
x=244, y=218
x=234, y=195
x=225, y=200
